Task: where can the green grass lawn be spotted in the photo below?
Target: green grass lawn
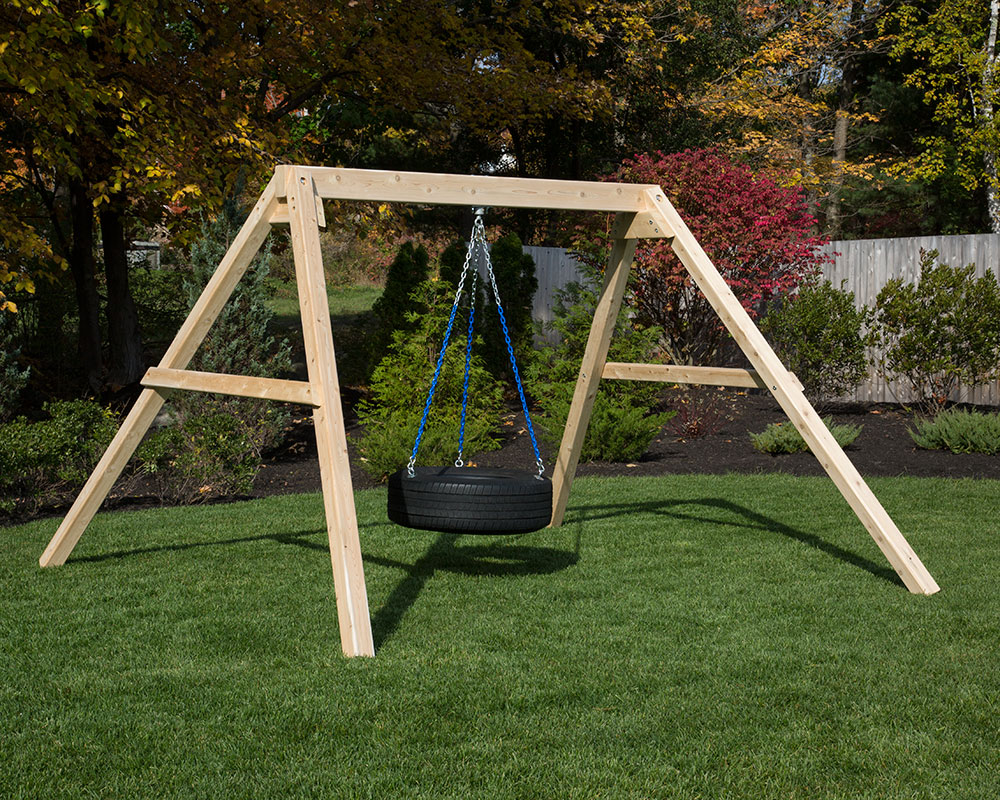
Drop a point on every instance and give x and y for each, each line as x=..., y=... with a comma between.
x=345, y=301
x=682, y=637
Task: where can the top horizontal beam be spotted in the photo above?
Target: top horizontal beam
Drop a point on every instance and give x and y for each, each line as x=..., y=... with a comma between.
x=428, y=188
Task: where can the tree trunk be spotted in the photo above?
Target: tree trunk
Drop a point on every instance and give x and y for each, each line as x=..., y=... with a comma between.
x=81, y=262
x=985, y=112
x=126, y=363
x=992, y=191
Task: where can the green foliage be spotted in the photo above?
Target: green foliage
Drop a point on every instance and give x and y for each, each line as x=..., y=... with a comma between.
x=206, y=456
x=623, y=422
x=399, y=385
x=960, y=431
x=12, y=378
x=240, y=341
x=44, y=462
x=161, y=300
x=213, y=447
x=393, y=311
x=940, y=333
x=781, y=437
x=819, y=334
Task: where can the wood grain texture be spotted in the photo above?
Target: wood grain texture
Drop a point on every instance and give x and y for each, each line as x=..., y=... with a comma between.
x=238, y=385
x=331, y=437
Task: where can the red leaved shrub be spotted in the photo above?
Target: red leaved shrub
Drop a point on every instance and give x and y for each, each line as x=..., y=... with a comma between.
x=759, y=235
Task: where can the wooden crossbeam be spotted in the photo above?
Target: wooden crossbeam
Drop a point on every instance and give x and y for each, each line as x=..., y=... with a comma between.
x=476, y=190
x=238, y=385
x=673, y=373
x=676, y=373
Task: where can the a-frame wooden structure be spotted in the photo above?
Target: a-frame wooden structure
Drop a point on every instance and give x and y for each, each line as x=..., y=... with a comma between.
x=295, y=197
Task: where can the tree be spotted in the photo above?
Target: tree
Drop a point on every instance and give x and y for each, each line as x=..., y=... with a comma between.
x=791, y=104
x=758, y=234
x=953, y=49
x=113, y=111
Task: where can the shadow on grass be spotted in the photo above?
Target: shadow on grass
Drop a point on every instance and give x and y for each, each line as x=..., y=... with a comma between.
x=489, y=560
x=752, y=520
x=283, y=538
x=494, y=559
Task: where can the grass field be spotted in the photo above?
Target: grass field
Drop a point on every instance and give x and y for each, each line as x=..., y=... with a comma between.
x=683, y=637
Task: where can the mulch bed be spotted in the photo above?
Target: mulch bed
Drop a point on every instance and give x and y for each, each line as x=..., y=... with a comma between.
x=884, y=448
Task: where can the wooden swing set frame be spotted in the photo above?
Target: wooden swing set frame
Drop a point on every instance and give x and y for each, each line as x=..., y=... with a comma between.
x=294, y=197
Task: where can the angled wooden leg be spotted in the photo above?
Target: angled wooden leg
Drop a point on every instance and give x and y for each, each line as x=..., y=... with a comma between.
x=191, y=334
x=592, y=366
x=331, y=437
x=794, y=403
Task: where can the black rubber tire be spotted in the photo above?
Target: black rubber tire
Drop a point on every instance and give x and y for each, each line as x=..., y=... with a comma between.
x=472, y=500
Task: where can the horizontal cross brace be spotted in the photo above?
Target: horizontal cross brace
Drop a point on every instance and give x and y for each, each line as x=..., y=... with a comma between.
x=238, y=385
x=672, y=373
x=476, y=190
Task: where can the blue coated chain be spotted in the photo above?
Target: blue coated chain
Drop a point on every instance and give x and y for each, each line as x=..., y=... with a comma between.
x=513, y=365
x=478, y=239
x=440, y=363
x=468, y=367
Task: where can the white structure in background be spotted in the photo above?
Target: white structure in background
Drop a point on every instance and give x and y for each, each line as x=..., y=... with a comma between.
x=863, y=266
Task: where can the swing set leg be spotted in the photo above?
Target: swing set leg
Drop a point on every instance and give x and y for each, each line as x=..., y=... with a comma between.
x=592, y=366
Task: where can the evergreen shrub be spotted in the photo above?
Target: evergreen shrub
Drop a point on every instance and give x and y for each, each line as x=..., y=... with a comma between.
x=394, y=309
x=960, y=431
x=820, y=335
x=45, y=462
x=398, y=389
x=624, y=421
x=782, y=437
x=939, y=334
x=514, y=271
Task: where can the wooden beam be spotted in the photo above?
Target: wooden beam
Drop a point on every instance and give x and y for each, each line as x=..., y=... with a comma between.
x=331, y=436
x=191, y=334
x=239, y=385
x=799, y=410
x=673, y=373
x=476, y=190
x=592, y=366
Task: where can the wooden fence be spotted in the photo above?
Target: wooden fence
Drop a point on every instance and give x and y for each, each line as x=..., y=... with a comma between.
x=862, y=266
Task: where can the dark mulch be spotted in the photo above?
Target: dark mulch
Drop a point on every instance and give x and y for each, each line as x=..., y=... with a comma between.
x=883, y=448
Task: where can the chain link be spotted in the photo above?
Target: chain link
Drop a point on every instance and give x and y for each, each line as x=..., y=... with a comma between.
x=478, y=239
x=440, y=362
x=513, y=364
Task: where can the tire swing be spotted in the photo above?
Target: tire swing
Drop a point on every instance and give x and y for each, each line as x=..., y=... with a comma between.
x=469, y=499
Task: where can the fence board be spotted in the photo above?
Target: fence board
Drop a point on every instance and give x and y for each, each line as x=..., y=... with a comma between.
x=863, y=266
